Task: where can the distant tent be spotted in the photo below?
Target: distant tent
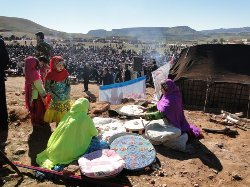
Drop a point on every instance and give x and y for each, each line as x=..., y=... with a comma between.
x=214, y=77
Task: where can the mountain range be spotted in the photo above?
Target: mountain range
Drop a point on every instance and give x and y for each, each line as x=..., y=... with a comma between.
x=21, y=27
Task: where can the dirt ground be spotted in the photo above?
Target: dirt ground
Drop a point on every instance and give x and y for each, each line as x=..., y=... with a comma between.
x=216, y=160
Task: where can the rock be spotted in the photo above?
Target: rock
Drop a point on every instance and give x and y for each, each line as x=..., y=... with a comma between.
x=13, y=102
x=131, y=100
x=100, y=107
x=161, y=174
x=15, y=157
x=125, y=100
x=220, y=145
x=14, y=175
x=196, y=185
x=18, y=113
x=184, y=172
x=152, y=181
x=19, y=151
x=17, y=123
x=215, y=171
x=236, y=176
x=211, y=176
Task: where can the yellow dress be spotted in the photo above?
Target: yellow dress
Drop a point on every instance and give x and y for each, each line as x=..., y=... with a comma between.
x=60, y=100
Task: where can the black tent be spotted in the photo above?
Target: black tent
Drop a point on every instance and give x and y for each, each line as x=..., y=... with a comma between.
x=214, y=77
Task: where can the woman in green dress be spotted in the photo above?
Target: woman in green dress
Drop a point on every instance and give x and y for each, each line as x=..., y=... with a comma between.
x=71, y=138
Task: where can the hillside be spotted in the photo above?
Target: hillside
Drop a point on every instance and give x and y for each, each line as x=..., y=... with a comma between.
x=231, y=30
x=179, y=33
x=21, y=27
x=151, y=33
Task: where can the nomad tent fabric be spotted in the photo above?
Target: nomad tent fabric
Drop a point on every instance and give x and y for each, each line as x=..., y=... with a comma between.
x=214, y=76
x=230, y=63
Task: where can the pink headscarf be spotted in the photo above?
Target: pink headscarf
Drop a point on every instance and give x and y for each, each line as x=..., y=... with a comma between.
x=31, y=75
x=55, y=75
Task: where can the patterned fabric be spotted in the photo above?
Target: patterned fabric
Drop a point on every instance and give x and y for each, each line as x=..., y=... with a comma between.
x=59, y=90
x=101, y=164
x=56, y=111
x=154, y=116
x=136, y=151
x=115, y=136
x=60, y=100
x=60, y=106
x=152, y=108
x=97, y=144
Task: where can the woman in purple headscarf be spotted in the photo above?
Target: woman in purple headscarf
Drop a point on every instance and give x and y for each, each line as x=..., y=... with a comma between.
x=170, y=107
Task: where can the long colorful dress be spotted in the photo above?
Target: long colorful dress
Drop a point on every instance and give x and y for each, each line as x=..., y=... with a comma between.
x=71, y=138
x=57, y=84
x=34, y=91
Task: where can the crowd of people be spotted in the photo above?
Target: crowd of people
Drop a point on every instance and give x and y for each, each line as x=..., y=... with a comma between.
x=92, y=62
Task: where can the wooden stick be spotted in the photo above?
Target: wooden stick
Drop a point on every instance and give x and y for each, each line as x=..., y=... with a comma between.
x=5, y=158
x=221, y=131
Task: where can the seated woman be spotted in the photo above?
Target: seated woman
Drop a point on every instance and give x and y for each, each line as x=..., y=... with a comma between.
x=71, y=138
x=169, y=107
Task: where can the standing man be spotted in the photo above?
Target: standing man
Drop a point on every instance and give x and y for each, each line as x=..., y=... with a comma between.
x=152, y=68
x=127, y=73
x=4, y=60
x=42, y=47
x=85, y=76
x=107, y=78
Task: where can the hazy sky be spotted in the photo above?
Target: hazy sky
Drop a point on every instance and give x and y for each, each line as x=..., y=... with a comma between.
x=80, y=16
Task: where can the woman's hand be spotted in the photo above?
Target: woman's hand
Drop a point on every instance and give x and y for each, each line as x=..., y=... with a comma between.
x=142, y=108
x=141, y=115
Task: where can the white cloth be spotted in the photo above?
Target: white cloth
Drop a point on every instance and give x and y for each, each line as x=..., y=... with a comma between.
x=179, y=143
x=158, y=75
x=158, y=132
x=114, y=93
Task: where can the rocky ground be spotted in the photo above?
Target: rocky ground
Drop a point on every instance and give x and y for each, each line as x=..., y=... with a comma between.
x=216, y=160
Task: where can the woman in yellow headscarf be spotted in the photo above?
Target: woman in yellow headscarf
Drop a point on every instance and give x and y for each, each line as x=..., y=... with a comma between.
x=71, y=138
